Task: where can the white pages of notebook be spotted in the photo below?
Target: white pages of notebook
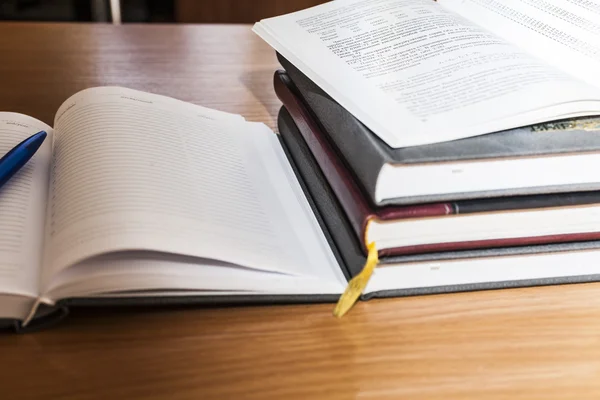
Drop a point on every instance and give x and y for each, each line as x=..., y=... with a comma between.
x=137, y=193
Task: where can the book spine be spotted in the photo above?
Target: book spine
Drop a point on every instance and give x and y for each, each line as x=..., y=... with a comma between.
x=364, y=153
x=319, y=192
x=347, y=193
x=420, y=211
x=339, y=178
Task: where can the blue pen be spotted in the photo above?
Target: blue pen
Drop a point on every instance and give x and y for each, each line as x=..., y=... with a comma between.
x=19, y=155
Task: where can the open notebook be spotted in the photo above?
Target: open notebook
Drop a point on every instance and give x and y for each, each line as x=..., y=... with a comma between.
x=143, y=199
x=137, y=194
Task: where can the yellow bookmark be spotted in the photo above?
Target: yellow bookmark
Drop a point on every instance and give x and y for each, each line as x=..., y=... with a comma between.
x=357, y=284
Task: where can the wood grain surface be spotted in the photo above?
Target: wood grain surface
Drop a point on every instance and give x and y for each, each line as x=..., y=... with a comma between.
x=534, y=343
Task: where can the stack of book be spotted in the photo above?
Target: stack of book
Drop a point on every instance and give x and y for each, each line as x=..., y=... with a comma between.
x=415, y=155
x=470, y=152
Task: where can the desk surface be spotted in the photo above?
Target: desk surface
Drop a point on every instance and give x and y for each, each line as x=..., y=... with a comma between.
x=522, y=343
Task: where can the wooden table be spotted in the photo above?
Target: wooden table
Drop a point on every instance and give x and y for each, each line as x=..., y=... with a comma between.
x=523, y=343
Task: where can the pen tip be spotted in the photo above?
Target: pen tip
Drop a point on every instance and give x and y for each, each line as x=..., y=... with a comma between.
x=40, y=136
x=35, y=141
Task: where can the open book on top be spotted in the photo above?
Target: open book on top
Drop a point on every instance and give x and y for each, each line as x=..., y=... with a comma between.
x=138, y=197
x=418, y=72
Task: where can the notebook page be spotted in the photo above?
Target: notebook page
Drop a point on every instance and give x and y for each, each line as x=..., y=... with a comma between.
x=415, y=73
x=132, y=171
x=22, y=208
x=564, y=33
x=142, y=272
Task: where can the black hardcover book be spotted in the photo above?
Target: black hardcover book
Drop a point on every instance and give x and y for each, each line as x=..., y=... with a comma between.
x=555, y=157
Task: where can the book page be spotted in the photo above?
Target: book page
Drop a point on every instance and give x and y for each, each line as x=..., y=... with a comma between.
x=136, y=171
x=416, y=73
x=564, y=33
x=158, y=274
x=22, y=208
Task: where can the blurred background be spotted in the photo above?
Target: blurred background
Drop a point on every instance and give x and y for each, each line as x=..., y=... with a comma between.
x=148, y=11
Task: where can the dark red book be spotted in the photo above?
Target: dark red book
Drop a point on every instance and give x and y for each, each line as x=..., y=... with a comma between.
x=434, y=227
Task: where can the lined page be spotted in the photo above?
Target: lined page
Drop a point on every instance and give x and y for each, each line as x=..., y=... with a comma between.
x=132, y=171
x=415, y=73
x=22, y=208
x=141, y=273
x=565, y=33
